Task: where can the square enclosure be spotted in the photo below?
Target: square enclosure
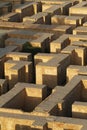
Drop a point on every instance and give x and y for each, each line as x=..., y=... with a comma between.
x=24, y=96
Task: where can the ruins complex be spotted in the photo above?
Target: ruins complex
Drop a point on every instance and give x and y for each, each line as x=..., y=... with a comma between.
x=43, y=64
